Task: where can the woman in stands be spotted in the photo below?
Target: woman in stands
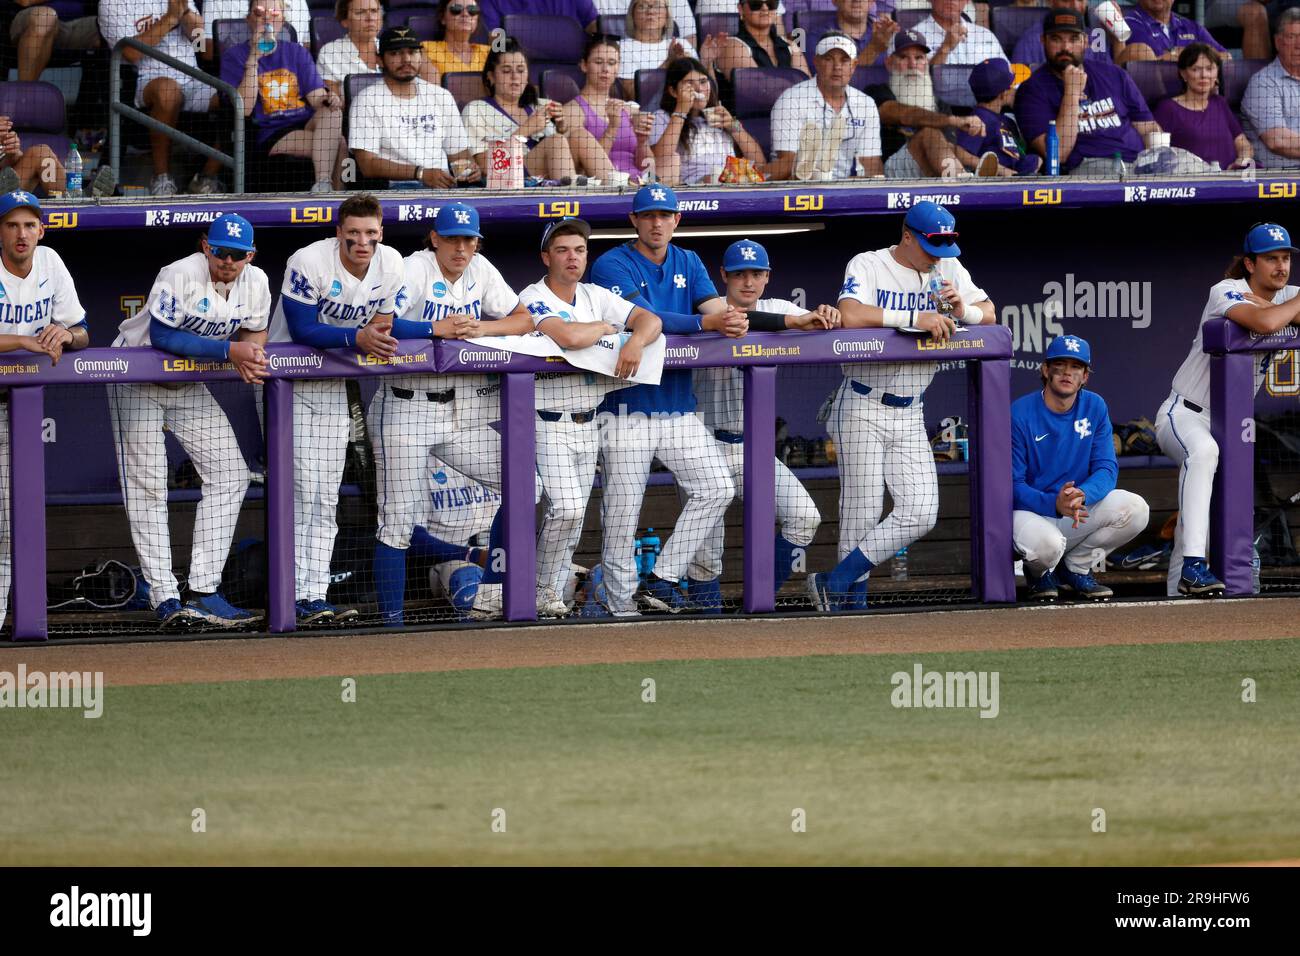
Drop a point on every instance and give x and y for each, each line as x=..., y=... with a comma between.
x=649, y=44
x=757, y=43
x=620, y=129
x=1198, y=119
x=693, y=135
x=556, y=151
x=454, y=53
x=358, y=52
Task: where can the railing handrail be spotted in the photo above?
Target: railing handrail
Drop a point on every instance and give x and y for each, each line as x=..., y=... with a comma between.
x=118, y=109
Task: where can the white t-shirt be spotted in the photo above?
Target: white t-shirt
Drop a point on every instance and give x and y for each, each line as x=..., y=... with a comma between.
x=720, y=392
x=296, y=15
x=47, y=295
x=980, y=44
x=709, y=149
x=422, y=130
x=129, y=18
x=185, y=297
x=634, y=55
x=459, y=507
x=485, y=123
x=680, y=10
x=315, y=276
x=574, y=391
x=482, y=290
x=1192, y=380
x=340, y=58
x=877, y=278
x=803, y=103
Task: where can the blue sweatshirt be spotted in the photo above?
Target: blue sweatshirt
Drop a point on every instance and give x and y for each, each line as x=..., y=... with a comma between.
x=1049, y=449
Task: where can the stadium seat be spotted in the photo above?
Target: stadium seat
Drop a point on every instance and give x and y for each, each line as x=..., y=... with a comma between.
x=908, y=19
x=561, y=83
x=464, y=88
x=711, y=23
x=952, y=85
x=612, y=23
x=405, y=4
x=352, y=86
x=324, y=30
x=649, y=87
x=815, y=22
x=757, y=91
x=425, y=26
x=1236, y=76
x=545, y=38
x=38, y=114
x=1009, y=23
x=403, y=18
x=228, y=33
x=1155, y=79
x=865, y=76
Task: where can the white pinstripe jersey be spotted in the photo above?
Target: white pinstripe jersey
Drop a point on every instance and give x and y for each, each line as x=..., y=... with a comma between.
x=720, y=392
x=185, y=297
x=316, y=276
x=574, y=391
x=44, y=297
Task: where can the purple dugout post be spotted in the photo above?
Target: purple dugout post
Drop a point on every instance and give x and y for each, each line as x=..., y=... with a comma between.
x=1232, y=509
x=278, y=395
x=27, y=512
x=760, y=487
x=518, y=484
x=992, y=570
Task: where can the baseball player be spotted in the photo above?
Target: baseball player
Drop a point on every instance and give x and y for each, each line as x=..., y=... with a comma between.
x=455, y=293
x=1068, y=511
x=215, y=305
x=745, y=272
x=645, y=422
x=338, y=293
x=39, y=312
x=575, y=314
x=459, y=517
x=877, y=421
x=1254, y=293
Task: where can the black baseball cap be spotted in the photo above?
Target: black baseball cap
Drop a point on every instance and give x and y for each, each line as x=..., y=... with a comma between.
x=565, y=226
x=1063, y=20
x=398, y=38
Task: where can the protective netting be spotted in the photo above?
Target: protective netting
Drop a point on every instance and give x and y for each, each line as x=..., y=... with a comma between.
x=1277, y=480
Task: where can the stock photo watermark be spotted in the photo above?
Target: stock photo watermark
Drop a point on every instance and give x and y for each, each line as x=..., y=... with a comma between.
x=53, y=690
x=947, y=689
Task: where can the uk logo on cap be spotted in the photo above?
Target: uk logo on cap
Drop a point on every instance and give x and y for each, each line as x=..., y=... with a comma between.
x=745, y=254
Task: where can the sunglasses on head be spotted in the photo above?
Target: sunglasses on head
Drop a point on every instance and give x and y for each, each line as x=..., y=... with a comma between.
x=757, y=5
x=456, y=9
x=233, y=255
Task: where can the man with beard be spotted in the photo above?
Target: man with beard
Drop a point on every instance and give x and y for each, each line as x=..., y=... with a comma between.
x=405, y=128
x=1098, y=109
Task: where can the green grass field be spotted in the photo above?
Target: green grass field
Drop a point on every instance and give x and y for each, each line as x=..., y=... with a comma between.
x=1156, y=735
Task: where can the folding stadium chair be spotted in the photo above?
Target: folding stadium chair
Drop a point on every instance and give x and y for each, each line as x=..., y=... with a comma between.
x=649, y=87
x=324, y=30
x=464, y=88
x=952, y=85
x=403, y=17
x=865, y=76
x=352, y=86
x=1009, y=23
x=545, y=38
x=711, y=23
x=1155, y=79
x=38, y=113
x=1236, y=76
x=757, y=91
x=614, y=24
x=561, y=83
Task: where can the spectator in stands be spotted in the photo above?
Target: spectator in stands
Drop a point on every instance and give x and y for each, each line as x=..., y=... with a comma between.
x=406, y=128
x=293, y=112
x=955, y=41
x=825, y=122
x=1098, y=109
x=620, y=128
x=1271, y=106
x=512, y=108
x=172, y=26
x=1029, y=48
x=683, y=16
x=993, y=85
x=358, y=52
x=1251, y=16
x=1199, y=120
x=42, y=25
x=708, y=7
x=693, y=134
x=912, y=130
x=296, y=15
x=584, y=11
x=1159, y=33
x=649, y=44
x=857, y=20
x=454, y=53
x=757, y=43
x=35, y=169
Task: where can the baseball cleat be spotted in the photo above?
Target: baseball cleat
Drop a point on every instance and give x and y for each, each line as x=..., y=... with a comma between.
x=487, y=603
x=658, y=595
x=215, y=609
x=632, y=612
x=818, y=593
x=172, y=615
x=1084, y=585
x=1042, y=588
x=1197, y=581
x=341, y=614
x=308, y=613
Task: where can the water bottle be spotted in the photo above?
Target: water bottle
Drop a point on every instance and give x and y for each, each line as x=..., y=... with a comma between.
x=1120, y=170
x=647, y=550
x=1053, y=150
x=899, y=571
x=941, y=305
x=74, y=169
x=266, y=40
x=1254, y=569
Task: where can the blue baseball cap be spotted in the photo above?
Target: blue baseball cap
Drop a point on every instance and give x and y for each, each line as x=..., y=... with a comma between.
x=18, y=199
x=231, y=232
x=745, y=254
x=935, y=229
x=457, y=219
x=990, y=78
x=654, y=196
x=1069, y=347
x=1263, y=237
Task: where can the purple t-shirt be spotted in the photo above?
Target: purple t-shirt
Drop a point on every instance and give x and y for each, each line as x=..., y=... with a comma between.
x=284, y=78
x=1210, y=135
x=999, y=137
x=1109, y=106
x=584, y=11
x=1181, y=32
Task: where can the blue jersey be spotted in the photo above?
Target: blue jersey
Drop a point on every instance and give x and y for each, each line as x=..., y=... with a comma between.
x=679, y=285
x=1048, y=449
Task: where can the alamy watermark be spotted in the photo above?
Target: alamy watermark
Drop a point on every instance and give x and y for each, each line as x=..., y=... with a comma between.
x=922, y=688
x=77, y=690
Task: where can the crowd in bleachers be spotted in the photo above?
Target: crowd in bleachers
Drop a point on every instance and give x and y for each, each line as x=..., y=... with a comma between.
x=341, y=94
